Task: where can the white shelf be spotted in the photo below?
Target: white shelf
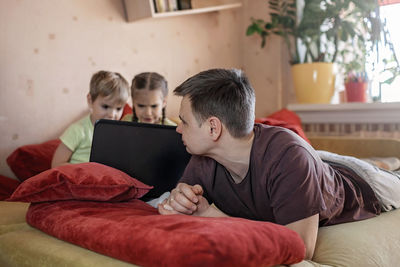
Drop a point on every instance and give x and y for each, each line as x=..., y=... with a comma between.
x=142, y=9
x=348, y=112
x=196, y=10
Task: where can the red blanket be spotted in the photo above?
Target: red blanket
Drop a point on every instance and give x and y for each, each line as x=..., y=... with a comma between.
x=135, y=232
x=286, y=119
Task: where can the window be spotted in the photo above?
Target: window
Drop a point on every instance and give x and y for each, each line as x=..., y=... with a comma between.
x=379, y=90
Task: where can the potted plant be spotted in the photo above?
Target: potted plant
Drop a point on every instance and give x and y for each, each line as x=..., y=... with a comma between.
x=355, y=59
x=356, y=85
x=327, y=32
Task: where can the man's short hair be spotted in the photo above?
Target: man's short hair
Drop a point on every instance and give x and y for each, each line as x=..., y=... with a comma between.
x=223, y=93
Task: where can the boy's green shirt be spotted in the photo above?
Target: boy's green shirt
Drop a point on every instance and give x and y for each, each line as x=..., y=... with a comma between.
x=78, y=138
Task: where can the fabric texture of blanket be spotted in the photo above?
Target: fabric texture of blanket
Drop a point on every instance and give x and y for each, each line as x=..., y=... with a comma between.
x=386, y=184
x=134, y=232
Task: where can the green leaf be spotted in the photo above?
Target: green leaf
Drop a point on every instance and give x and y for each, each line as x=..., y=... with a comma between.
x=389, y=81
x=250, y=30
x=268, y=26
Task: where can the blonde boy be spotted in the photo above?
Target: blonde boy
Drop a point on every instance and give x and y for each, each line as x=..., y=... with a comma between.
x=108, y=94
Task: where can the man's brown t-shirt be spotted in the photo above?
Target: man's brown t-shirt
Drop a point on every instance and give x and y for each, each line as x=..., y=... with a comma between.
x=286, y=182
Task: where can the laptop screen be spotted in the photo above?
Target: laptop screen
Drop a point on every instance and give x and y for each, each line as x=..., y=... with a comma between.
x=154, y=154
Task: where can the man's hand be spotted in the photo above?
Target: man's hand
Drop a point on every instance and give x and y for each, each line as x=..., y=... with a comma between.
x=185, y=199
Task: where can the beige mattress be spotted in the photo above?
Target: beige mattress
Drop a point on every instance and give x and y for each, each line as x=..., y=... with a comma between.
x=370, y=243
x=22, y=245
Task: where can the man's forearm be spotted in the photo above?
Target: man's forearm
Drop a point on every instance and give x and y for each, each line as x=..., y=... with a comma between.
x=213, y=211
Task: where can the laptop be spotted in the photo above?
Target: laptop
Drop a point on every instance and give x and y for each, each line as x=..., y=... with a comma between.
x=154, y=154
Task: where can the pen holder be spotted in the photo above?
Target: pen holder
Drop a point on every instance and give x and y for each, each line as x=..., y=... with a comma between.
x=356, y=91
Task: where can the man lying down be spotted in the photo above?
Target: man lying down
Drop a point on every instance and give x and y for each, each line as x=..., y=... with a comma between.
x=262, y=172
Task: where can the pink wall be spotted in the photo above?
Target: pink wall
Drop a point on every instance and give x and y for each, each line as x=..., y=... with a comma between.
x=49, y=50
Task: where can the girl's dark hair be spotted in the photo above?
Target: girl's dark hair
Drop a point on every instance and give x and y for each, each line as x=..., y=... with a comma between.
x=149, y=81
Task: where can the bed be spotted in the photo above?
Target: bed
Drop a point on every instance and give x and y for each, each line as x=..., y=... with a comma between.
x=98, y=209
x=23, y=245
x=372, y=242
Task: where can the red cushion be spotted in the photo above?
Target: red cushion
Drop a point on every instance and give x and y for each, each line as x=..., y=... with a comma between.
x=134, y=232
x=84, y=181
x=287, y=119
x=27, y=161
x=127, y=110
x=7, y=186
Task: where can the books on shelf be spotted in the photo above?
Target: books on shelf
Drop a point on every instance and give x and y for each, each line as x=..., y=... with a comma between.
x=184, y=4
x=171, y=5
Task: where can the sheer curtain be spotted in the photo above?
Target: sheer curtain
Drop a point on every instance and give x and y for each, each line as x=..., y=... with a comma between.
x=389, y=12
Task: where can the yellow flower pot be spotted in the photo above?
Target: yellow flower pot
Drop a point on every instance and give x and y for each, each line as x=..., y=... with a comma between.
x=314, y=82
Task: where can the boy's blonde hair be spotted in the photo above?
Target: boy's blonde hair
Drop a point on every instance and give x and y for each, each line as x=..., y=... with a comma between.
x=106, y=83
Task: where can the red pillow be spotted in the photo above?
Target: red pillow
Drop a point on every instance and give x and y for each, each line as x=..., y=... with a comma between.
x=84, y=181
x=7, y=186
x=287, y=119
x=27, y=161
x=127, y=110
x=287, y=116
x=135, y=232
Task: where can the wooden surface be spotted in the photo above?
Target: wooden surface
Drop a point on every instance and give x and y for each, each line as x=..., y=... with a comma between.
x=358, y=147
